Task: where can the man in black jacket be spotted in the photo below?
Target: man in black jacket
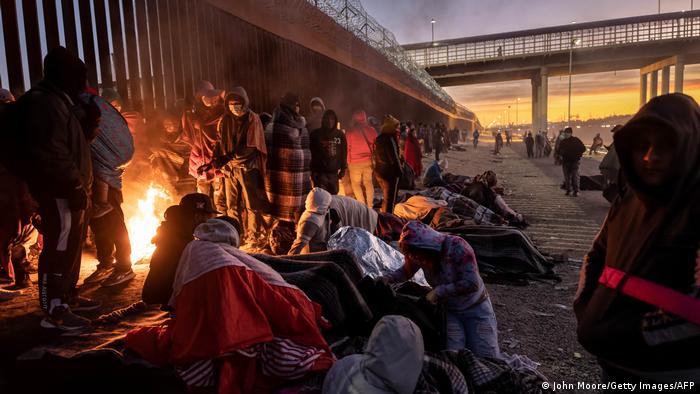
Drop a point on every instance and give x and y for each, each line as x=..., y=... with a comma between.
x=59, y=154
x=571, y=149
x=388, y=162
x=329, y=154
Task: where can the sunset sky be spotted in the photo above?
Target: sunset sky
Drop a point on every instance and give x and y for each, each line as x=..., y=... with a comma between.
x=593, y=95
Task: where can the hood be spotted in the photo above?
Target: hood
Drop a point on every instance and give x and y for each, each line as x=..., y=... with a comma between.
x=389, y=125
x=391, y=363
x=217, y=231
x=319, y=101
x=677, y=116
x=65, y=70
x=418, y=235
x=359, y=117
x=326, y=121
x=206, y=89
x=318, y=200
x=240, y=92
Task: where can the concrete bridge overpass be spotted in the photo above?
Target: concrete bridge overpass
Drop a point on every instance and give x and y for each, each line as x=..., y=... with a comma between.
x=654, y=44
x=154, y=52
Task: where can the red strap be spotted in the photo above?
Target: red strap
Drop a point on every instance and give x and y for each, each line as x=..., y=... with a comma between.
x=669, y=300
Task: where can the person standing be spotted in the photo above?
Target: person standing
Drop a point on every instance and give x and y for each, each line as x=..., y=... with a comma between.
x=289, y=162
x=242, y=156
x=498, y=144
x=199, y=131
x=360, y=140
x=388, y=168
x=540, y=140
x=475, y=138
x=329, y=154
x=437, y=141
x=509, y=136
x=412, y=153
x=571, y=149
x=597, y=144
x=53, y=135
x=529, y=144
x=317, y=108
x=637, y=304
x=112, y=151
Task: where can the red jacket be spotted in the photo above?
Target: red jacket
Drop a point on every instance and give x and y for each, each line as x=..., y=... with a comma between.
x=413, y=155
x=360, y=139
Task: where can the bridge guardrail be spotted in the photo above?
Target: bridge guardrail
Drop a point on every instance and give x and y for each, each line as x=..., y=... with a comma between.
x=676, y=26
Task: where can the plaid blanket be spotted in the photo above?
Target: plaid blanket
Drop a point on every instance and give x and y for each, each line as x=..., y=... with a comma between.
x=288, y=166
x=464, y=206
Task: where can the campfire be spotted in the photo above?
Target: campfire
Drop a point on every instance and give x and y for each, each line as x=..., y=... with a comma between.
x=144, y=221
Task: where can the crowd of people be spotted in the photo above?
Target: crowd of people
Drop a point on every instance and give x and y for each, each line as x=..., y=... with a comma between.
x=282, y=184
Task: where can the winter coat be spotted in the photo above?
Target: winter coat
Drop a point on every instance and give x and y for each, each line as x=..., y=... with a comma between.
x=386, y=155
x=529, y=141
x=289, y=164
x=54, y=141
x=199, y=131
x=571, y=149
x=242, y=138
x=360, y=138
x=650, y=233
x=329, y=148
x=413, y=154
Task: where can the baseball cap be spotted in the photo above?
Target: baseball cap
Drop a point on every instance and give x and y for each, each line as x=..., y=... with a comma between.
x=197, y=202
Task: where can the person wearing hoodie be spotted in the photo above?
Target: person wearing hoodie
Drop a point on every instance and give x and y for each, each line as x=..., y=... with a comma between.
x=326, y=213
x=315, y=118
x=51, y=121
x=388, y=163
x=571, y=149
x=391, y=362
x=637, y=304
x=241, y=156
x=449, y=265
x=200, y=132
x=529, y=145
x=360, y=138
x=412, y=152
x=329, y=153
x=289, y=162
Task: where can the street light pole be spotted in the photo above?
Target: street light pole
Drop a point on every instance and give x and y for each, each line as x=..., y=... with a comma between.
x=574, y=41
x=432, y=28
x=516, y=111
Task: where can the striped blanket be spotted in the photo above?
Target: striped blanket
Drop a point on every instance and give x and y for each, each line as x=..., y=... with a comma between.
x=289, y=165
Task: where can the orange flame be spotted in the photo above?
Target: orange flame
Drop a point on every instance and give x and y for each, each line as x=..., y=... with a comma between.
x=143, y=224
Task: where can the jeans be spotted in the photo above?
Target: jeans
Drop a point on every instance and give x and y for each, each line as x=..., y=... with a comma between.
x=245, y=195
x=475, y=329
x=361, y=176
x=214, y=189
x=390, y=187
x=572, y=178
x=112, y=239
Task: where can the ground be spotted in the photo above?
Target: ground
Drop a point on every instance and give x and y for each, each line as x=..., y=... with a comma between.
x=534, y=320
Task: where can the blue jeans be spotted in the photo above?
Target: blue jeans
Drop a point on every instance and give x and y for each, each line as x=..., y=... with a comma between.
x=475, y=329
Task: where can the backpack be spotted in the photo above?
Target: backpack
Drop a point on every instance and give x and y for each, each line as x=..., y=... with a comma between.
x=12, y=154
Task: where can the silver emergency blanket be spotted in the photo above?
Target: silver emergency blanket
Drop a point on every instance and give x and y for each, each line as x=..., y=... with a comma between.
x=376, y=258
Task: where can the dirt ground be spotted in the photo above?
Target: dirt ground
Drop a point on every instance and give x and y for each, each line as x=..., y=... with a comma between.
x=534, y=320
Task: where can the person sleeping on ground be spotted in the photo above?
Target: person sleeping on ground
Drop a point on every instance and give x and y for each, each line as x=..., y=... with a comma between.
x=238, y=325
x=324, y=214
x=450, y=267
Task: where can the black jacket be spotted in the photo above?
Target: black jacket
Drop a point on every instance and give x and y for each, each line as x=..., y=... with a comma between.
x=571, y=149
x=329, y=148
x=386, y=156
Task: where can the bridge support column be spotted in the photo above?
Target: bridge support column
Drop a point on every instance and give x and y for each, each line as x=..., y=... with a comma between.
x=680, y=68
x=543, y=98
x=654, y=84
x=642, y=89
x=665, y=79
x=535, y=82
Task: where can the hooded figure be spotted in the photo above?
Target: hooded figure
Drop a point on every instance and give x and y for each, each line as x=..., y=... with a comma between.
x=388, y=162
x=316, y=113
x=200, y=132
x=412, y=152
x=360, y=138
x=637, y=305
x=329, y=152
x=289, y=163
x=241, y=156
x=390, y=364
x=570, y=151
x=324, y=215
x=530, y=144
x=449, y=265
x=60, y=180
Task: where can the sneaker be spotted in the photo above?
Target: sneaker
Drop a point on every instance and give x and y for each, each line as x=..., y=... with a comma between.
x=83, y=304
x=100, y=274
x=63, y=319
x=118, y=278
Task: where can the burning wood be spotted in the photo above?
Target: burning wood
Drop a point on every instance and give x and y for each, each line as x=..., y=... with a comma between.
x=144, y=222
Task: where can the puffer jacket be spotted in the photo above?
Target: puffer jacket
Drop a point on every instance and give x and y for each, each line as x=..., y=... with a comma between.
x=360, y=138
x=55, y=143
